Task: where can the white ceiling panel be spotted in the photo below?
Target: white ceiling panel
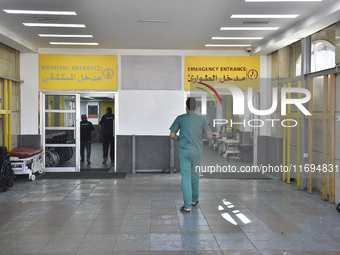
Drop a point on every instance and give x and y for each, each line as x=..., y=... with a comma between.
x=190, y=24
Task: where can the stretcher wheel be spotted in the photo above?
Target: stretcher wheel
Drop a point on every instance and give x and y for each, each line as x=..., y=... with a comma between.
x=32, y=177
x=338, y=208
x=41, y=171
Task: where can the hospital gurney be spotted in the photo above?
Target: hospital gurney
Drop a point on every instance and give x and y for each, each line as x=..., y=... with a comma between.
x=27, y=160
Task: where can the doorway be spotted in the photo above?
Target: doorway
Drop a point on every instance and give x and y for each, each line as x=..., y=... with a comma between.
x=234, y=141
x=94, y=105
x=60, y=128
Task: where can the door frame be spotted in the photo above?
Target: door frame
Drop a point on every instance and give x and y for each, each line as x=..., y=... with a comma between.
x=42, y=95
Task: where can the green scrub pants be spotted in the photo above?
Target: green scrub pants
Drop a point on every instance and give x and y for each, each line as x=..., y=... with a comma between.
x=190, y=178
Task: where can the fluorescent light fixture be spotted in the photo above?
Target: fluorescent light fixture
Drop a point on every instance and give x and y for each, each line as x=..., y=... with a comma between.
x=264, y=16
x=68, y=36
x=249, y=28
x=163, y=21
x=40, y=12
x=236, y=38
x=72, y=43
x=52, y=25
x=283, y=0
x=227, y=45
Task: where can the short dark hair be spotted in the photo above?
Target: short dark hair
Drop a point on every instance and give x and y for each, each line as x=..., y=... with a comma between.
x=109, y=109
x=83, y=117
x=191, y=104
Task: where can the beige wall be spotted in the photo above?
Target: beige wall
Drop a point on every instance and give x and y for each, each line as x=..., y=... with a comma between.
x=9, y=62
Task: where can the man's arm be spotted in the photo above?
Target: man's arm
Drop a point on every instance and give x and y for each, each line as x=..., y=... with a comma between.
x=209, y=134
x=93, y=135
x=92, y=132
x=99, y=130
x=174, y=136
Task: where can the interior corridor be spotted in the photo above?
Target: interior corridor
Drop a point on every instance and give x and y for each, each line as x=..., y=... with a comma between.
x=140, y=215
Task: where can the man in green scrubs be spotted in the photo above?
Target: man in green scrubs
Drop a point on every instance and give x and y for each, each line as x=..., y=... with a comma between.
x=191, y=127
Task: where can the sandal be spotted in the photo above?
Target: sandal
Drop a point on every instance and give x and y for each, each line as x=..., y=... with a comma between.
x=194, y=204
x=183, y=209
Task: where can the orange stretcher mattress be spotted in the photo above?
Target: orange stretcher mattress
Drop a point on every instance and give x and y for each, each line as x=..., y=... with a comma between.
x=25, y=152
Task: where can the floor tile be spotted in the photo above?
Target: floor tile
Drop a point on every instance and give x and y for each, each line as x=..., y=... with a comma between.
x=139, y=215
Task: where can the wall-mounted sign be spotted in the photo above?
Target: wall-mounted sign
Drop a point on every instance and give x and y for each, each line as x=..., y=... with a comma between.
x=90, y=72
x=216, y=71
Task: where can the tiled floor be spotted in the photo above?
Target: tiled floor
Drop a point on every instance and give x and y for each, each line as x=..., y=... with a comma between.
x=140, y=215
x=96, y=158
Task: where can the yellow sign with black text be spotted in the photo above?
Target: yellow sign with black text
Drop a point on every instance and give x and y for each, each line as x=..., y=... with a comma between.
x=78, y=72
x=216, y=71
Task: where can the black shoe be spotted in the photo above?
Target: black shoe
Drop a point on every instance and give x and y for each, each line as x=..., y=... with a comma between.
x=194, y=204
x=183, y=209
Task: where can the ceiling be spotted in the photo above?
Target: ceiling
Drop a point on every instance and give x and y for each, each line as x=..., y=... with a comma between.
x=190, y=24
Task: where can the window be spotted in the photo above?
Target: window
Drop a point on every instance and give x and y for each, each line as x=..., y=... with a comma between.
x=322, y=57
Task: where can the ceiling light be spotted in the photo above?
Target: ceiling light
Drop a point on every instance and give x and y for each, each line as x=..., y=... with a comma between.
x=55, y=35
x=72, y=43
x=283, y=0
x=236, y=38
x=249, y=28
x=49, y=19
x=153, y=21
x=265, y=16
x=227, y=45
x=40, y=12
x=52, y=25
x=256, y=22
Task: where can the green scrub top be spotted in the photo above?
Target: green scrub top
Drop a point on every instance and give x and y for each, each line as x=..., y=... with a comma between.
x=191, y=127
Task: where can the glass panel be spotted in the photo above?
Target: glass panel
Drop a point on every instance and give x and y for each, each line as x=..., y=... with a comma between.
x=60, y=130
x=56, y=102
x=323, y=55
x=323, y=49
x=60, y=157
x=56, y=119
x=232, y=141
x=59, y=137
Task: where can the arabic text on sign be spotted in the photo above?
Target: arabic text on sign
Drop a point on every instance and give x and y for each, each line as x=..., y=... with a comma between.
x=225, y=78
x=62, y=77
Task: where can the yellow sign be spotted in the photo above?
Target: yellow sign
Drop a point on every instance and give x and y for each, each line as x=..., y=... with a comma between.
x=216, y=71
x=90, y=72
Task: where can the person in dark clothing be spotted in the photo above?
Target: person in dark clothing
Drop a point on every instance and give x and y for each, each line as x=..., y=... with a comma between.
x=86, y=136
x=107, y=124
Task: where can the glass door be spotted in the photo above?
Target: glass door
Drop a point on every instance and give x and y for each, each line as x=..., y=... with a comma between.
x=61, y=132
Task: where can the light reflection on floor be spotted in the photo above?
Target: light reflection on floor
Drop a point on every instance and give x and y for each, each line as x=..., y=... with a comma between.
x=238, y=214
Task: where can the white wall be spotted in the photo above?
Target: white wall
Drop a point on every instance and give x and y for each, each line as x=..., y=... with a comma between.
x=29, y=73
x=148, y=112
